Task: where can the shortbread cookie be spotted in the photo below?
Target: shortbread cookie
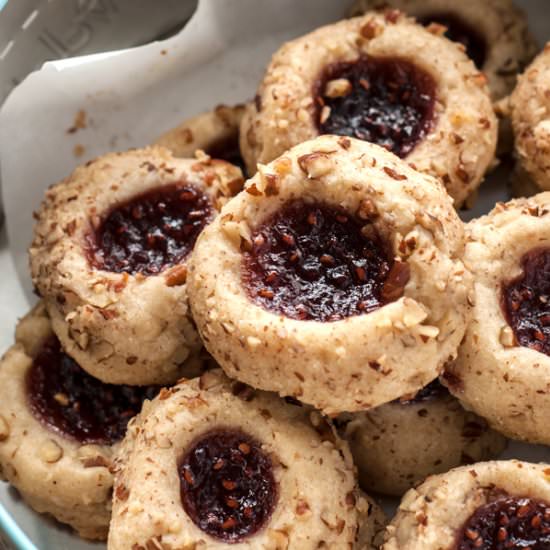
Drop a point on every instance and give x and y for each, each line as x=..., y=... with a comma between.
x=214, y=132
x=383, y=79
x=110, y=255
x=337, y=261
x=59, y=428
x=401, y=443
x=500, y=505
x=214, y=464
x=503, y=366
x=529, y=107
x=494, y=33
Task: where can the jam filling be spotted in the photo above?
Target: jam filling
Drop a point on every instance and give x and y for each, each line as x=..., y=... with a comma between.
x=434, y=390
x=526, y=301
x=227, y=485
x=318, y=262
x=460, y=31
x=387, y=101
x=507, y=523
x=150, y=232
x=70, y=401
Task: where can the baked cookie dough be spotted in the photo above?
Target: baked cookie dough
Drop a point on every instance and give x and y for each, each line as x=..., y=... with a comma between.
x=337, y=261
x=383, y=79
x=495, y=505
x=494, y=33
x=212, y=463
x=215, y=132
x=503, y=367
x=529, y=108
x=59, y=428
x=403, y=442
x=109, y=257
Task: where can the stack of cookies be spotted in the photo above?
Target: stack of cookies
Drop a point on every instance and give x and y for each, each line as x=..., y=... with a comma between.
x=222, y=362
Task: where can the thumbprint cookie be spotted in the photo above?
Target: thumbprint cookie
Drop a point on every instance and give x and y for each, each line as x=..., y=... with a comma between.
x=529, y=108
x=60, y=428
x=401, y=443
x=503, y=367
x=494, y=33
x=212, y=463
x=334, y=263
x=500, y=505
x=109, y=258
x=383, y=79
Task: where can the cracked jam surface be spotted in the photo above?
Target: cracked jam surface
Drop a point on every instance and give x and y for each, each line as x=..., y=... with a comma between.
x=526, y=301
x=227, y=485
x=66, y=398
x=150, y=232
x=387, y=101
x=507, y=523
x=460, y=31
x=312, y=261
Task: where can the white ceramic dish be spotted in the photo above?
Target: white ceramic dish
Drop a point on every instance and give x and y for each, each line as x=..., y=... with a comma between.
x=130, y=97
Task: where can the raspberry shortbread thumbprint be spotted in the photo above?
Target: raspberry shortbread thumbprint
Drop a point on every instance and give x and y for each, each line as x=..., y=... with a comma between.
x=503, y=367
x=212, y=463
x=401, y=443
x=500, y=505
x=384, y=79
x=60, y=428
x=337, y=261
x=110, y=254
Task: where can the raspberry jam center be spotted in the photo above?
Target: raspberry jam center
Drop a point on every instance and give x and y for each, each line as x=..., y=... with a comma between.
x=526, y=301
x=150, y=232
x=227, y=485
x=507, y=524
x=318, y=262
x=460, y=31
x=387, y=101
x=66, y=398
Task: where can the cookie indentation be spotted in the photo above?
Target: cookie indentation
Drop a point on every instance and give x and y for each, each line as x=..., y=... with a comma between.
x=526, y=301
x=387, y=101
x=313, y=261
x=506, y=523
x=460, y=31
x=151, y=232
x=227, y=485
x=67, y=399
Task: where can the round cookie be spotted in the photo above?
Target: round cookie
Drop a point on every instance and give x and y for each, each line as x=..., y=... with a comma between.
x=528, y=107
x=503, y=367
x=59, y=428
x=215, y=132
x=110, y=255
x=401, y=443
x=336, y=261
x=494, y=33
x=213, y=464
x=383, y=79
x=495, y=505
